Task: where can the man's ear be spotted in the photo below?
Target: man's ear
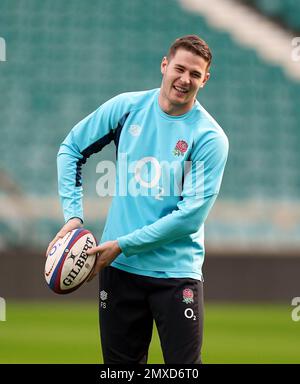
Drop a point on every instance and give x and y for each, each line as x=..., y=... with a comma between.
x=206, y=78
x=163, y=65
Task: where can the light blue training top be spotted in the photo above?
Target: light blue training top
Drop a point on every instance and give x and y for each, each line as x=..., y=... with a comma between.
x=168, y=175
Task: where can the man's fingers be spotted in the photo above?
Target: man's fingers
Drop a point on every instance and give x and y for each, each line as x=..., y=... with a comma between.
x=60, y=235
x=94, y=250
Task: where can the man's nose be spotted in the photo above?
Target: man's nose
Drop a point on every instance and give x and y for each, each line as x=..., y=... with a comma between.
x=185, y=78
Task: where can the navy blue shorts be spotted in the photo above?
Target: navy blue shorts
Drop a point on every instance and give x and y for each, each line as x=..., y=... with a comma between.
x=128, y=305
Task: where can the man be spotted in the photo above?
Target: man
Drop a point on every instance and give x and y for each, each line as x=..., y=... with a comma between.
x=152, y=248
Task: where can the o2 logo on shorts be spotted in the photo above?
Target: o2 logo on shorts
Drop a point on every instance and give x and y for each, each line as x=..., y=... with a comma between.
x=189, y=314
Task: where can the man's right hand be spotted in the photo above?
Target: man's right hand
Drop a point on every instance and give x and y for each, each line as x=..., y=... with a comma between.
x=68, y=227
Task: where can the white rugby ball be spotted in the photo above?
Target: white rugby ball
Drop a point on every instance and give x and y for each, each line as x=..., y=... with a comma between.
x=68, y=266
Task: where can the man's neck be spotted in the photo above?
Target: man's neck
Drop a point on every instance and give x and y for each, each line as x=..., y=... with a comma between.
x=173, y=109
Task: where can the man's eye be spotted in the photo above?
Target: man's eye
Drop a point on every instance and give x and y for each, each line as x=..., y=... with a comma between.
x=179, y=69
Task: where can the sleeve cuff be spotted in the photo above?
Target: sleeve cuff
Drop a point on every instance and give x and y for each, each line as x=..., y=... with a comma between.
x=124, y=248
x=68, y=218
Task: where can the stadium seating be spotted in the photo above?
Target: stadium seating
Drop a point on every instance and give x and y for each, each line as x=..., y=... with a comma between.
x=287, y=11
x=64, y=59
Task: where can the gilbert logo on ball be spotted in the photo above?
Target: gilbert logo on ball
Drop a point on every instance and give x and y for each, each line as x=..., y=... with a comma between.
x=68, y=266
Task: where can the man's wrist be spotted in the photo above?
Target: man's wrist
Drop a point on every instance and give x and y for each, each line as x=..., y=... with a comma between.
x=117, y=248
x=75, y=217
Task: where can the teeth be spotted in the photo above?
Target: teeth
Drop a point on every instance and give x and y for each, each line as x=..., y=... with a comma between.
x=180, y=89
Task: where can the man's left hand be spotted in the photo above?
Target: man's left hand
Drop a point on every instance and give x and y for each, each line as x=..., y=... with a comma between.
x=106, y=254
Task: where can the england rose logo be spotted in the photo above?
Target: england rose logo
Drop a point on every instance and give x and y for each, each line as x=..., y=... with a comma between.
x=187, y=296
x=180, y=148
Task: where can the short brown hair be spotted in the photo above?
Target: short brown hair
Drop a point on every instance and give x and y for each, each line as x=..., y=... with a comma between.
x=194, y=44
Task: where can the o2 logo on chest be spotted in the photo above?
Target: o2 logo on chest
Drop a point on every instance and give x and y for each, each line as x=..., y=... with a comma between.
x=150, y=177
x=151, y=168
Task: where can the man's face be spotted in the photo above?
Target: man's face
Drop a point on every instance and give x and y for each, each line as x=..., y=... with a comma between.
x=183, y=75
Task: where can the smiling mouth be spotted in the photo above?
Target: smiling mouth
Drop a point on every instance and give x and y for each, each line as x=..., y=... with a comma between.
x=181, y=89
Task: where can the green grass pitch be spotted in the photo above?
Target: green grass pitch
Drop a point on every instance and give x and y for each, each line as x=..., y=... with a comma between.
x=51, y=332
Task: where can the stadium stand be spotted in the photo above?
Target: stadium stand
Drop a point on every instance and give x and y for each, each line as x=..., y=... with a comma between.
x=65, y=59
x=285, y=11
